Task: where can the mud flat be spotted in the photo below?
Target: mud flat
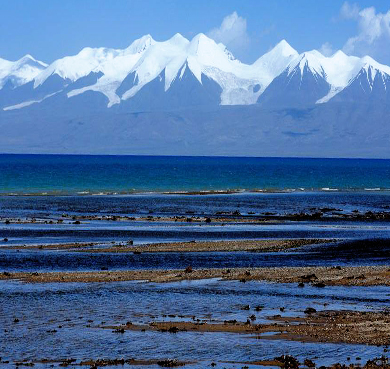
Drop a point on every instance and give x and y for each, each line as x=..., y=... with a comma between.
x=191, y=246
x=316, y=276
x=213, y=246
x=371, y=328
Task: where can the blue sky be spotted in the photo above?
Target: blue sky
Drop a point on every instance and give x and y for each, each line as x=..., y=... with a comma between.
x=52, y=29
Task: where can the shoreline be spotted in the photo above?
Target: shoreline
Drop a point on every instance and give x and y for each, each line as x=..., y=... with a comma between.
x=255, y=191
x=319, y=277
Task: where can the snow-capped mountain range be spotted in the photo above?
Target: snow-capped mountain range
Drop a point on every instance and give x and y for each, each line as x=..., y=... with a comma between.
x=281, y=77
x=193, y=97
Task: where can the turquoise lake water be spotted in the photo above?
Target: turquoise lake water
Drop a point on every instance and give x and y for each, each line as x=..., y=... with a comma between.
x=74, y=174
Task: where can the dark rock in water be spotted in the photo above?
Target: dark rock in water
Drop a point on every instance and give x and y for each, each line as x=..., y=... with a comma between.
x=319, y=285
x=309, y=363
x=130, y=242
x=16, y=320
x=310, y=310
x=77, y=222
x=169, y=363
x=252, y=317
x=301, y=284
x=289, y=362
x=259, y=308
x=234, y=321
x=5, y=239
x=119, y=330
x=173, y=330
x=309, y=278
x=208, y=220
x=136, y=252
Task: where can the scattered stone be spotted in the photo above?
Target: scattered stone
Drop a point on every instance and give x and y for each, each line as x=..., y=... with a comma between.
x=319, y=285
x=119, y=330
x=309, y=278
x=169, y=363
x=289, y=362
x=188, y=269
x=309, y=363
x=310, y=310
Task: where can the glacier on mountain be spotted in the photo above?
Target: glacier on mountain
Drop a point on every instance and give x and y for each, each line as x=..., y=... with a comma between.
x=187, y=97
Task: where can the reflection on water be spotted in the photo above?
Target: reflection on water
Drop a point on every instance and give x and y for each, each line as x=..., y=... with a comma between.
x=343, y=253
x=75, y=311
x=58, y=321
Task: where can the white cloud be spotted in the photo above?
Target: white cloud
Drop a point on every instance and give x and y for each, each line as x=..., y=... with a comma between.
x=373, y=37
x=327, y=49
x=349, y=11
x=232, y=33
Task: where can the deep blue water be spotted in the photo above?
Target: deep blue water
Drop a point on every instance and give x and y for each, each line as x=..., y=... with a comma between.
x=72, y=174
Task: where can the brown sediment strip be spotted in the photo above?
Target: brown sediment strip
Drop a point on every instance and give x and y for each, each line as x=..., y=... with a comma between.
x=54, y=246
x=351, y=327
x=174, y=327
x=214, y=246
x=191, y=246
x=357, y=327
x=93, y=363
x=317, y=276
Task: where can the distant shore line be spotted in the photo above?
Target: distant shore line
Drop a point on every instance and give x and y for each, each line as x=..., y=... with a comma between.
x=85, y=193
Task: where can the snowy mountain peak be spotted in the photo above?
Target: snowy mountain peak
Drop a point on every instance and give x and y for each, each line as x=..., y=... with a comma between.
x=368, y=62
x=370, y=69
x=201, y=44
x=283, y=48
x=107, y=61
x=275, y=61
x=179, y=40
x=308, y=61
x=140, y=45
x=120, y=74
x=28, y=59
x=21, y=71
